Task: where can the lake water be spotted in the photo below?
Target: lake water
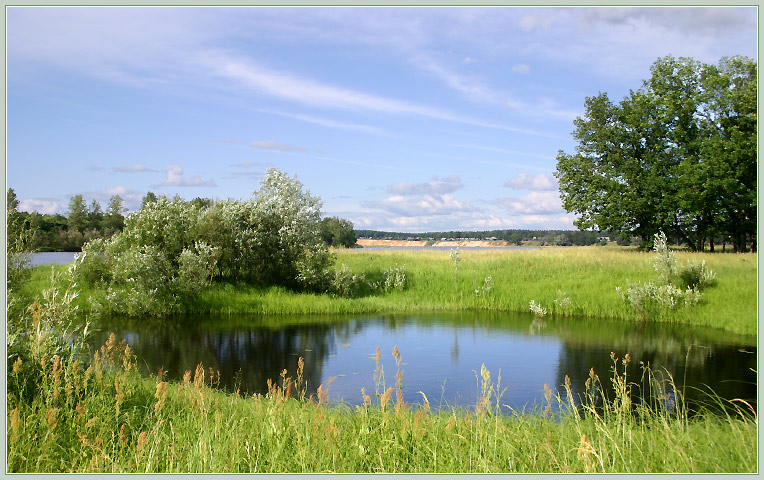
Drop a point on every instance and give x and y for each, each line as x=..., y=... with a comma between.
x=442, y=354
x=51, y=258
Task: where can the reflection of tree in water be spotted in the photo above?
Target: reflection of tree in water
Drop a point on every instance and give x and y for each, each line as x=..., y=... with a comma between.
x=685, y=359
x=245, y=357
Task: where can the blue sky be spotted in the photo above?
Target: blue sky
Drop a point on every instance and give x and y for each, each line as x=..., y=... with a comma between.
x=399, y=118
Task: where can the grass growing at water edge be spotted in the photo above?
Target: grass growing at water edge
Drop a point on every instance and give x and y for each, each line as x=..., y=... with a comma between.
x=107, y=418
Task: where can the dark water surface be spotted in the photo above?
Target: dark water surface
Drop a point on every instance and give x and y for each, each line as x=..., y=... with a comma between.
x=442, y=354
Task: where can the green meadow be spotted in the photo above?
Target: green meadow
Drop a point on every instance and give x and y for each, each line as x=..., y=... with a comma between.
x=588, y=276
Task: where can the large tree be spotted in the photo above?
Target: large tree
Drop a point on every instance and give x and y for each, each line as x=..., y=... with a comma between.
x=677, y=155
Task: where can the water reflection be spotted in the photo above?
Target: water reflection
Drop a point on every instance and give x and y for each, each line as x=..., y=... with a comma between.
x=442, y=354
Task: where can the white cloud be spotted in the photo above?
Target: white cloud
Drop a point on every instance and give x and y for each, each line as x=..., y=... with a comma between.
x=471, y=88
x=435, y=187
x=175, y=179
x=324, y=122
x=422, y=205
x=303, y=90
x=541, y=181
x=533, y=203
x=49, y=207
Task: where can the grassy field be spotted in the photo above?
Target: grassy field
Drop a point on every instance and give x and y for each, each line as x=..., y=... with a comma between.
x=109, y=419
x=587, y=275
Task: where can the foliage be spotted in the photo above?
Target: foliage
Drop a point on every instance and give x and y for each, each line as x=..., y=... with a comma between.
x=650, y=299
x=486, y=288
x=562, y=301
x=394, y=279
x=338, y=232
x=19, y=238
x=676, y=155
x=537, y=309
x=171, y=250
x=345, y=283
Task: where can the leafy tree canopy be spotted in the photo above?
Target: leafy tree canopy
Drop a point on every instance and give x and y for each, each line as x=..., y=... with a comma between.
x=677, y=155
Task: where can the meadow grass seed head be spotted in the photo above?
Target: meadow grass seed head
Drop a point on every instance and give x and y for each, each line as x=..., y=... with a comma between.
x=17, y=366
x=199, y=376
x=142, y=438
x=385, y=397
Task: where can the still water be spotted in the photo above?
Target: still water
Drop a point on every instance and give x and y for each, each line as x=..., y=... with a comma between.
x=51, y=258
x=441, y=354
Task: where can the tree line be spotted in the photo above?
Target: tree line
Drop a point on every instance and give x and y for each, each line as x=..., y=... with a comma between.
x=677, y=155
x=67, y=233
x=512, y=236
x=84, y=222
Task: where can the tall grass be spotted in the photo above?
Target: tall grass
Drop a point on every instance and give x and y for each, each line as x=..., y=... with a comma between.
x=588, y=276
x=107, y=418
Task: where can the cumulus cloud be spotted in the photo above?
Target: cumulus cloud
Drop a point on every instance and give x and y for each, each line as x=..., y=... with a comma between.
x=134, y=169
x=43, y=206
x=175, y=179
x=713, y=21
x=435, y=187
x=542, y=181
x=533, y=203
x=420, y=205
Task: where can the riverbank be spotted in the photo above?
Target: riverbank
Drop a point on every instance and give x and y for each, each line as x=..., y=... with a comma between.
x=368, y=243
x=587, y=276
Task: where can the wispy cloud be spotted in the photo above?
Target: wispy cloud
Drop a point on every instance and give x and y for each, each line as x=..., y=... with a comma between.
x=281, y=147
x=134, y=169
x=175, y=179
x=325, y=122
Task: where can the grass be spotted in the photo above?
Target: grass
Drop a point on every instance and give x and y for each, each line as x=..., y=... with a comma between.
x=108, y=419
x=588, y=275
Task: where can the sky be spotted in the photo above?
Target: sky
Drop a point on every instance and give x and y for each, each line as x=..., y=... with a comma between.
x=406, y=119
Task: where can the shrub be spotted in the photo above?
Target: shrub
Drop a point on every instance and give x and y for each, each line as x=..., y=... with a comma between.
x=345, y=283
x=697, y=276
x=394, y=279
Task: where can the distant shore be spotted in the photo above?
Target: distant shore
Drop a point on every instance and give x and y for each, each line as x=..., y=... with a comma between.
x=366, y=242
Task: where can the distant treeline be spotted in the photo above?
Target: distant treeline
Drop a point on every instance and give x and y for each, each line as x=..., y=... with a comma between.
x=516, y=237
x=57, y=232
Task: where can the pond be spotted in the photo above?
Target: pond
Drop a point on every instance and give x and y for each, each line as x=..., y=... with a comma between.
x=51, y=258
x=441, y=354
